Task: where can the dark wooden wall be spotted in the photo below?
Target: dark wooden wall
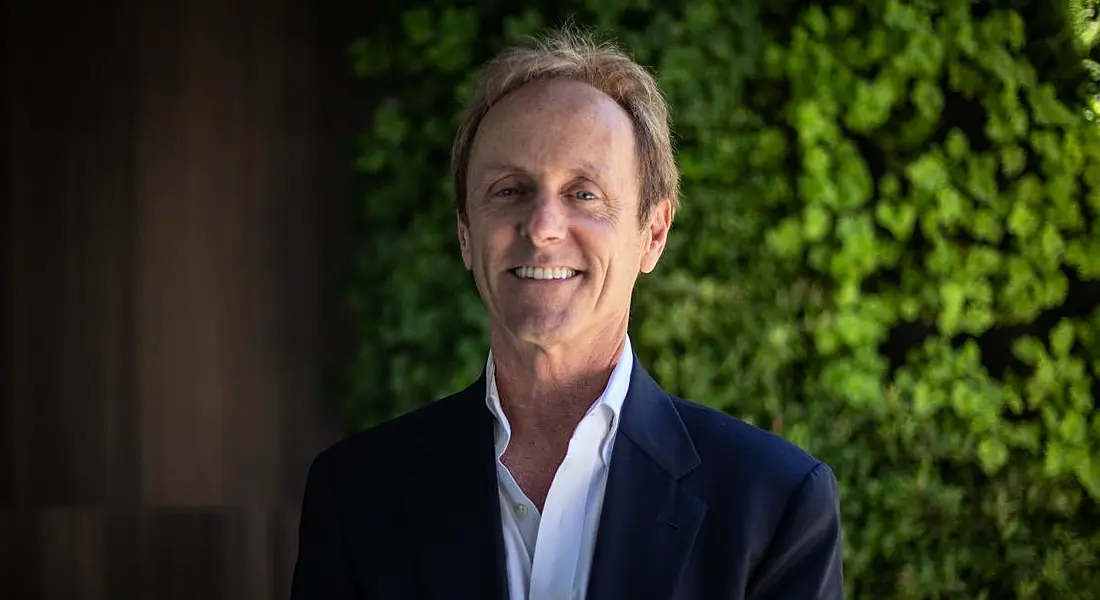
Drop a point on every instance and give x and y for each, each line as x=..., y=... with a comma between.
x=172, y=250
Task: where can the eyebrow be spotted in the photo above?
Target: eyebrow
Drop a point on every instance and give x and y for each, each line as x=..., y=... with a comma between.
x=502, y=167
x=586, y=170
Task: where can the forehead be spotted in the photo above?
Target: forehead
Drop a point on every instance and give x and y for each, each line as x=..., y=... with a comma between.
x=556, y=124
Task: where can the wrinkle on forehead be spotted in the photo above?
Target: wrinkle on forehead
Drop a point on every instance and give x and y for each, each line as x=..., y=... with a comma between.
x=556, y=125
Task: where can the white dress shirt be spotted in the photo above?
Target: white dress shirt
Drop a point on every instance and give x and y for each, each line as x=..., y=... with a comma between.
x=548, y=556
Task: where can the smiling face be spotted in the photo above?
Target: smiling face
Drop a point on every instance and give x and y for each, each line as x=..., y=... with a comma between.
x=552, y=234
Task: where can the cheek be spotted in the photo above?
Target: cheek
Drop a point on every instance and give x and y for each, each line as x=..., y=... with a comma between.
x=615, y=253
x=492, y=246
x=629, y=260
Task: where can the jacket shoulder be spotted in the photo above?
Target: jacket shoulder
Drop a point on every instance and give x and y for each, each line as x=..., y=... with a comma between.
x=389, y=448
x=745, y=451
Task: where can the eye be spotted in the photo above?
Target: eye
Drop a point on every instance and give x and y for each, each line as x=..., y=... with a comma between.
x=584, y=195
x=510, y=191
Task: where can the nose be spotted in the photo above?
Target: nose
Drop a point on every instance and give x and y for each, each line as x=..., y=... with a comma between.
x=545, y=222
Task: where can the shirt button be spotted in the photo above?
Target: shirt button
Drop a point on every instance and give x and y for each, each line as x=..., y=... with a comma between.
x=521, y=510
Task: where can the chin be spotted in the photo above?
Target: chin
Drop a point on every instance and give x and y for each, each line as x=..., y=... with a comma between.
x=544, y=333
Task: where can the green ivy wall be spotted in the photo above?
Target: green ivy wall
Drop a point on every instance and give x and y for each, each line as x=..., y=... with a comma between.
x=889, y=253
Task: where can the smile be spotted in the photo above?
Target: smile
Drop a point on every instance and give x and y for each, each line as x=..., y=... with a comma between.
x=544, y=273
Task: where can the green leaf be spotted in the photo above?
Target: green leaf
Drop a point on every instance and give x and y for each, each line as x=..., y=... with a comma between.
x=417, y=25
x=897, y=219
x=1074, y=428
x=1022, y=221
x=1013, y=160
x=816, y=223
x=993, y=455
x=928, y=98
x=928, y=173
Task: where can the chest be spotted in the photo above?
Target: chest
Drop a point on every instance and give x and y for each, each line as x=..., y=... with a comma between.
x=551, y=507
x=534, y=470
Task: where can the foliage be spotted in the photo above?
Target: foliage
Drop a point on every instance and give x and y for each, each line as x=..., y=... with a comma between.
x=889, y=253
x=1085, y=19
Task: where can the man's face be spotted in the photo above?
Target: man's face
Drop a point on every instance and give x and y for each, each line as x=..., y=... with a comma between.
x=553, y=198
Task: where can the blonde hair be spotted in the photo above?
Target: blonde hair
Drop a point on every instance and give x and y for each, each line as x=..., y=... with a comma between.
x=569, y=54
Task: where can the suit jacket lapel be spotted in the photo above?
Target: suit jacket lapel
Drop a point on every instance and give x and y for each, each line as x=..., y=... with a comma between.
x=649, y=521
x=453, y=506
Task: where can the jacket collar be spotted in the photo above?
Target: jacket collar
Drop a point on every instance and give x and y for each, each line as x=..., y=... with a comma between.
x=647, y=527
x=650, y=519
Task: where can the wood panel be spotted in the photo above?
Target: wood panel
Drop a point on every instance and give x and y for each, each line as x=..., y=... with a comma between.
x=72, y=215
x=172, y=251
x=159, y=554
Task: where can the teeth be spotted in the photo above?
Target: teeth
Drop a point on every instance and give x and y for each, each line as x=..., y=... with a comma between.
x=543, y=273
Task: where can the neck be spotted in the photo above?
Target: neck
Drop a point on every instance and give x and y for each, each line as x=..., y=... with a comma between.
x=546, y=391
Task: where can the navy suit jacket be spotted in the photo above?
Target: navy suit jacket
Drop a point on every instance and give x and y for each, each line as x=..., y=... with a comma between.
x=699, y=505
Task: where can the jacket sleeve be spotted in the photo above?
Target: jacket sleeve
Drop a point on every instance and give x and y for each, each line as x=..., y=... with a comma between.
x=803, y=560
x=321, y=570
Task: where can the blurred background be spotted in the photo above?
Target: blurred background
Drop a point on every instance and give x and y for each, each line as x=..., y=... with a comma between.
x=229, y=242
x=173, y=238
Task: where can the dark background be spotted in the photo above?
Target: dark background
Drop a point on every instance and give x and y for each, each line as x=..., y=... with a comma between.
x=173, y=245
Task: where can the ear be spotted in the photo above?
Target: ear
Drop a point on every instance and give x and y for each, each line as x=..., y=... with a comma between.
x=655, y=234
x=464, y=241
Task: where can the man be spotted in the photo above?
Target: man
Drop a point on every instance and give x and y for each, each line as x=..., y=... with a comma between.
x=565, y=471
